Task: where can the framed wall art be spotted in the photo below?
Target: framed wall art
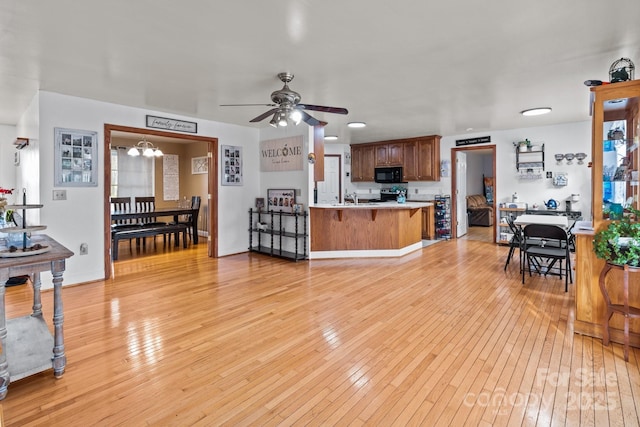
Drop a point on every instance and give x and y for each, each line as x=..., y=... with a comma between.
x=231, y=169
x=199, y=165
x=281, y=200
x=76, y=158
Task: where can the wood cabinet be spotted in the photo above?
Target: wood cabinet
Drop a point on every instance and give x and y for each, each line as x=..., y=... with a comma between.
x=419, y=158
x=410, y=165
x=429, y=158
x=362, y=163
x=391, y=154
x=613, y=154
x=428, y=223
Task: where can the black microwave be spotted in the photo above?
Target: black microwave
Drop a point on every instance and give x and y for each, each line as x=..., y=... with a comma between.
x=388, y=175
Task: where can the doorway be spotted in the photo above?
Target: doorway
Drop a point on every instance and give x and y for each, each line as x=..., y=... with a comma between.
x=460, y=179
x=329, y=189
x=212, y=184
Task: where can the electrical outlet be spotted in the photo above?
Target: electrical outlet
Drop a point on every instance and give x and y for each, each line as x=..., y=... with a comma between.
x=59, y=194
x=84, y=249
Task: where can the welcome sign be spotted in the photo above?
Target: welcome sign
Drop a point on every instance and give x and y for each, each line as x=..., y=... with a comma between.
x=281, y=154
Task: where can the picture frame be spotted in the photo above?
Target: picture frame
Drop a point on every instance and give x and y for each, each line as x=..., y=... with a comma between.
x=259, y=203
x=281, y=200
x=231, y=165
x=199, y=165
x=298, y=208
x=76, y=158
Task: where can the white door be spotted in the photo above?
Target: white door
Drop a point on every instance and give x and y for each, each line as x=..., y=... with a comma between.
x=461, y=193
x=329, y=189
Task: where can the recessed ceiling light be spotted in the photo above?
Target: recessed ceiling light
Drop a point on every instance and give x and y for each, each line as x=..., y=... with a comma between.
x=469, y=129
x=356, y=124
x=536, y=111
x=331, y=137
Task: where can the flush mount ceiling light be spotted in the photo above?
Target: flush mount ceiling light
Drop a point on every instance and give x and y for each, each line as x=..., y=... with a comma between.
x=330, y=137
x=147, y=149
x=356, y=124
x=536, y=111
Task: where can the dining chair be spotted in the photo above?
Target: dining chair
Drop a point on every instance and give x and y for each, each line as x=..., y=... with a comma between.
x=147, y=204
x=552, y=248
x=517, y=242
x=188, y=219
x=122, y=204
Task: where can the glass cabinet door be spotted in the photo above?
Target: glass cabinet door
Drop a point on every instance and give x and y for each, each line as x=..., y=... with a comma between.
x=616, y=157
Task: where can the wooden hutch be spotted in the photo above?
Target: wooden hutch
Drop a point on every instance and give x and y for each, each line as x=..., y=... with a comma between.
x=615, y=165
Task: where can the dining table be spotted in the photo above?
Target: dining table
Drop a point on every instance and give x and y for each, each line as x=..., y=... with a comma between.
x=559, y=220
x=174, y=212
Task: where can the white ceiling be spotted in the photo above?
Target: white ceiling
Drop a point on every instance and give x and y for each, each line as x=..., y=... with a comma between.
x=407, y=68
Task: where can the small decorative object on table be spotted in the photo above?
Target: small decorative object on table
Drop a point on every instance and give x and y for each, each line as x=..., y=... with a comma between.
x=21, y=228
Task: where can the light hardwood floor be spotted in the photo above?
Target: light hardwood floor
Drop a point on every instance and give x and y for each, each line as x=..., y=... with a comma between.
x=439, y=337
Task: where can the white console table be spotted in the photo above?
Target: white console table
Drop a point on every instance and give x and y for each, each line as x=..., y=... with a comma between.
x=27, y=344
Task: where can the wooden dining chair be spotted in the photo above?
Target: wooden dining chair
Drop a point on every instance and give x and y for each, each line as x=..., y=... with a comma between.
x=122, y=204
x=552, y=248
x=188, y=219
x=147, y=204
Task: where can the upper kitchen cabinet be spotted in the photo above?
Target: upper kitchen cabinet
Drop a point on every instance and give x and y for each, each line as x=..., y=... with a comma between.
x=428, y=158
x=616, y=157
x=410, y=165
x=419, y=158
x=390, y=154
x=362, y=163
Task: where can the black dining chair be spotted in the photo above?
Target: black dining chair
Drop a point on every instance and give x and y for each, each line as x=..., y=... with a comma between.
x=517, y=242
x=188, y=219
x=548, y=255
x=122, y=204
x=147, y=204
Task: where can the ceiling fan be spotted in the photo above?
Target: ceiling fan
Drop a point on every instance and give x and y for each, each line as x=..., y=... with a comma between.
x=288, y=107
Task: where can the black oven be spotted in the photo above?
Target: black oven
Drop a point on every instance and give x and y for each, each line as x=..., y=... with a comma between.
x=388, y=175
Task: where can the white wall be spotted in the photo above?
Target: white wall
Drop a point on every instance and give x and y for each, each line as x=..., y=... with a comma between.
x=79, y=219
x=7, y=150
x=565, y=138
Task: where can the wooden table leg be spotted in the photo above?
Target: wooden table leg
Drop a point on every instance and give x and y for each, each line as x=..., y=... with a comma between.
x=59, y=357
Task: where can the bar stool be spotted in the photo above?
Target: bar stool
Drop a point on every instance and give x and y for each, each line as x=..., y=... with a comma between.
x=625, y=309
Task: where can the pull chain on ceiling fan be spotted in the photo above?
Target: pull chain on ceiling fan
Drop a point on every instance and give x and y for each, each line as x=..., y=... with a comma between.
x=288, y=108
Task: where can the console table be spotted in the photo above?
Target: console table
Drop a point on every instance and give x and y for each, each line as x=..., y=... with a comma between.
x=27, y=345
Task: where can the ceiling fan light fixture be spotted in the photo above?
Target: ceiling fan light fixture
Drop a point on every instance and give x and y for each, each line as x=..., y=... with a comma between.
x=356, y=125
x=295, y=116
x=536, y=111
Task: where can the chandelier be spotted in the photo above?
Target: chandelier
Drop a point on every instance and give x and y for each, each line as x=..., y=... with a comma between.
x=146, y=148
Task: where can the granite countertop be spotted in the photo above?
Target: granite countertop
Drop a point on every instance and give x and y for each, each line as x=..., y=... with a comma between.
x=380, y=205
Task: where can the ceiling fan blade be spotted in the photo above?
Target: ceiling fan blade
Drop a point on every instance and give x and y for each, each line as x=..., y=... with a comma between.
x=311, y=121
x=248, y=105
x=263, y=115
x=335, y=110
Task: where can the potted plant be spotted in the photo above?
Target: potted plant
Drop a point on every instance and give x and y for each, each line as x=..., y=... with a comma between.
x=619, y=242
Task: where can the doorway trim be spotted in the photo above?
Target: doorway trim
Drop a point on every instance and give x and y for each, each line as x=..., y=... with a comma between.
x=454, y=217
x=212, y=185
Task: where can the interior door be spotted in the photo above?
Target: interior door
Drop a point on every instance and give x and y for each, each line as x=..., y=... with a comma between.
x=329, y=189
x=461, y=193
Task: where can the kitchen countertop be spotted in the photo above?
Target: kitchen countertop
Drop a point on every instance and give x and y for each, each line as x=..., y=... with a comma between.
x=377, y=205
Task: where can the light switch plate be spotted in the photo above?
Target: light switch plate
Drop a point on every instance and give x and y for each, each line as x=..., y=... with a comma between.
x=59, y=194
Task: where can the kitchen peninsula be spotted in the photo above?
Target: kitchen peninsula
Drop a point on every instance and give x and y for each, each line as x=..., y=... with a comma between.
x=366, y=229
